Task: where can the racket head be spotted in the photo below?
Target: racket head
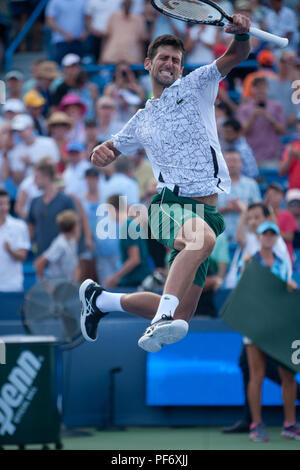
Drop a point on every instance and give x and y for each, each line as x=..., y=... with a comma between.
x=192, y=11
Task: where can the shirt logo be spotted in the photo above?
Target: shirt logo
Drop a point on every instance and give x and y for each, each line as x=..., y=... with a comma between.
x=179, y=101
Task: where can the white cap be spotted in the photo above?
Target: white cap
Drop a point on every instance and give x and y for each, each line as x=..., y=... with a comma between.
x=21, y=122
x=70, y=59
x=14, y=105
x=292, y=195
x=14, y=74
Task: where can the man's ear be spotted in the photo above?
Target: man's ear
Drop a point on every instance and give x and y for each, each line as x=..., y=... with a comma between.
x=147, y=64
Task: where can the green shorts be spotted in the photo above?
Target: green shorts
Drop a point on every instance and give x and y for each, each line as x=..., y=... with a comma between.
x=168, y=212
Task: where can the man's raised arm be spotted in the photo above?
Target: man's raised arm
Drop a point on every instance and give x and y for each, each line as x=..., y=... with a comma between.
x=239, y=48
x=104, y=154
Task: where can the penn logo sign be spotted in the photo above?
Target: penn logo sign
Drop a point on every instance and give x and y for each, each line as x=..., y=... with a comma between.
x=17, y=393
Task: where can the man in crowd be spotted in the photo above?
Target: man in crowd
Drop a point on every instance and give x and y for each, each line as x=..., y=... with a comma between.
x=31, y=149
x=14, y=246
x=232, y=139
x=263, y=124
x=66, y=19
x=44, y=209
x=243, y=192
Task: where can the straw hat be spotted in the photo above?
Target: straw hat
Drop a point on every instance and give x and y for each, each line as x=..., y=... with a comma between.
x=58, y=117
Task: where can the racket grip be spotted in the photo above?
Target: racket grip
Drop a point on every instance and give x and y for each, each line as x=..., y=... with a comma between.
x=265, y=36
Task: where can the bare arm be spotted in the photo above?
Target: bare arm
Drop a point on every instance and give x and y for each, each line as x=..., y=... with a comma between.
x=284, y=166
x=237, y=51
x=84, y=221
x=130, y=264
x=40, y=264
x=20, y=204
x=104, y=154
x=240, y=233
x=19, y=255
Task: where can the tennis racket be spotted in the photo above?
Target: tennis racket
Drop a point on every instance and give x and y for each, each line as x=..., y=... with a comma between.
x=208, y=12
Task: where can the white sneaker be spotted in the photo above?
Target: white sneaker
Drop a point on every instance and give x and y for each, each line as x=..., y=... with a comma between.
x=164, y=331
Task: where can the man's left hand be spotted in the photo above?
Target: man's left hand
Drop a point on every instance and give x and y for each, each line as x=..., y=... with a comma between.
x=241, y=25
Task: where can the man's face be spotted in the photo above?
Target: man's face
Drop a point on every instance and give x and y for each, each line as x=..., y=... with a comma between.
x=268, y=239
x=255, y=217
x=4, y=206
x=72, y=71
x=75, y=156
x=26, y=133
x=229, y=134
x=234, y=163
x=260, y=92
x=40, y=179
x=165, y=68
x=273, y=197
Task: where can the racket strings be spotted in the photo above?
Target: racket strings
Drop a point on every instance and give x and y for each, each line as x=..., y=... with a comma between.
x=192, y=9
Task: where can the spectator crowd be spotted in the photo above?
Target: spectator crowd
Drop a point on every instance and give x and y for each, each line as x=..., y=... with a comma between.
x=49, y=192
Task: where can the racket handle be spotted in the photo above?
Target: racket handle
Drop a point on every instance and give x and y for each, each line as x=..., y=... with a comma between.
x=264, y=36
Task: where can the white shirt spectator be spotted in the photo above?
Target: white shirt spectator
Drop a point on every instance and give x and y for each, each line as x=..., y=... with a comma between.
x=62, y=258
x=41, y=147
x=246, y=190
x=74, y=178
x=29, y=187
x=281, y=23
x=122, y=185
x=201, y=53
x=15, y=232
x=100, y=11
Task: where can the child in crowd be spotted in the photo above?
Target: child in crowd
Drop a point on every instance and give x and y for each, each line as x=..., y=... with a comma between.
x=60, y=260
x=268, y=233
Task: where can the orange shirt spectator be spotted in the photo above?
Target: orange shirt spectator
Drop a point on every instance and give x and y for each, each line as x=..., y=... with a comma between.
x=266, y=61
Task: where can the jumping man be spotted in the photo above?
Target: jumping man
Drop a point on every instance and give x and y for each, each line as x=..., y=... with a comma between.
x=177, y=128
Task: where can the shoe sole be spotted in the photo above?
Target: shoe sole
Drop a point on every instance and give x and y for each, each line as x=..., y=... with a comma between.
x=253, y=439
x=290, y=436
x=165, y=334
x=83, y=316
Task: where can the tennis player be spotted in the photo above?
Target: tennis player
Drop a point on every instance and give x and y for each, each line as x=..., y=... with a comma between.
x=177, y=128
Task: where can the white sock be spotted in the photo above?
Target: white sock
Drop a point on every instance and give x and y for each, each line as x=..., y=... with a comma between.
x=109, y=302
x=167, y=306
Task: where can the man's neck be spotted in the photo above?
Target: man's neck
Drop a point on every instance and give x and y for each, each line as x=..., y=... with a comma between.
x=267, y=253
x=235, y=178
x=50, y=193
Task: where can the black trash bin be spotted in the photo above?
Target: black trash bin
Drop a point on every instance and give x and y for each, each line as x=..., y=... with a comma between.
x=29, y=396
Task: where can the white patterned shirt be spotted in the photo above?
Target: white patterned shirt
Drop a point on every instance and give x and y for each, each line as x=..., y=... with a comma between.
x=179, y=134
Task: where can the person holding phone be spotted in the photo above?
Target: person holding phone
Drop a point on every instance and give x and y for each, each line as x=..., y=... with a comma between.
x=263, y=122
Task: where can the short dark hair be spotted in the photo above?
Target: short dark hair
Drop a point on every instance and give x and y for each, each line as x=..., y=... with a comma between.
x=115, y=201
x=3, y=193
x=236, y=125
x=262, y=206
x=276, y=186
x=259, y=80
x=165, y=40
